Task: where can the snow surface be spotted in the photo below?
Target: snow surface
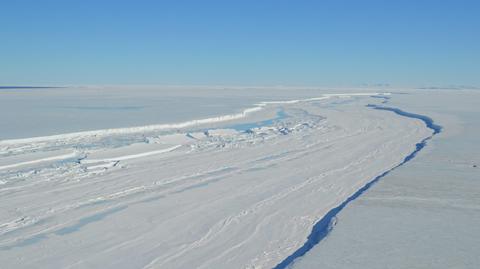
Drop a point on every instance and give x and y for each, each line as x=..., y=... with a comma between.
x=194, y=193
x=424, y=214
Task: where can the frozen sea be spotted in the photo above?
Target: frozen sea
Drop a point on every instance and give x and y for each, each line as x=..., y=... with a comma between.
x=31, y=112
x=47, y=111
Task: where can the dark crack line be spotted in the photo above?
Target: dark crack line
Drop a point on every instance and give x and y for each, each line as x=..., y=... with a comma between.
x=322, y=228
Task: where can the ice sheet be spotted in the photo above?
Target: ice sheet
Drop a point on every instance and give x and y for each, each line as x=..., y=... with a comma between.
x=201, y=195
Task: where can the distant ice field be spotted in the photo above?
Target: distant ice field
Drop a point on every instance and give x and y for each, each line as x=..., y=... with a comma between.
x=40, y=112
x=35, y=112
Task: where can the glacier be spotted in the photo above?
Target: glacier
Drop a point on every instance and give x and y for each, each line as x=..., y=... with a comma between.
x=236, y=190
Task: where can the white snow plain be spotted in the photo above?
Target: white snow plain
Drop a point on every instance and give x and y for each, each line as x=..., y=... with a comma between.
x=242, y=190
x=424, y=214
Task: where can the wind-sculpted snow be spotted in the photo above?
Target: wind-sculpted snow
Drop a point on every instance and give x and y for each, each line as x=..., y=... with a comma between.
x=238, y=191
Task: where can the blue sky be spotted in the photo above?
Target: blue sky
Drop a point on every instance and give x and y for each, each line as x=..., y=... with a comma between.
x=307, y=43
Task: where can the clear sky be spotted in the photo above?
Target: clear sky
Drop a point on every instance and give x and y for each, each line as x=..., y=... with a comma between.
x=241, y=42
